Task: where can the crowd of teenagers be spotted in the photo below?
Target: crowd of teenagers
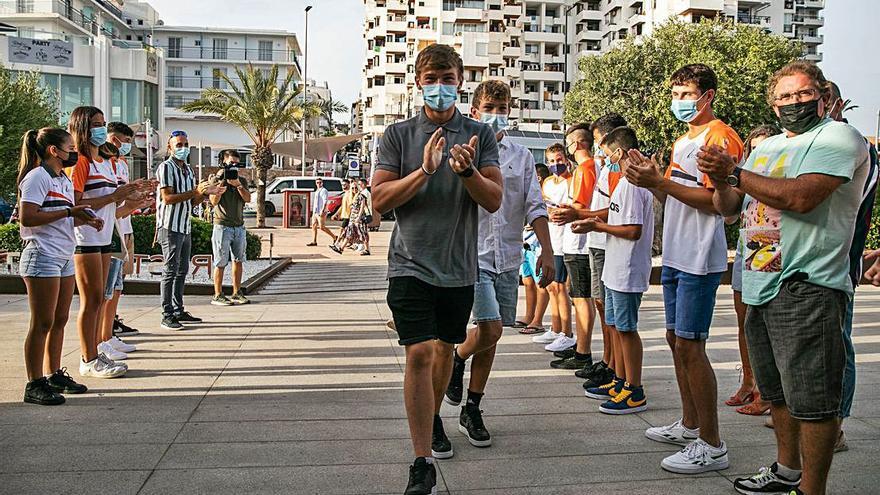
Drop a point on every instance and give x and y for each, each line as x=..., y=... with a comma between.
x=462, y=192
x=74, y=193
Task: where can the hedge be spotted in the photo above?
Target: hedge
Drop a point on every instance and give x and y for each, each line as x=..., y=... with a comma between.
x=144, y=229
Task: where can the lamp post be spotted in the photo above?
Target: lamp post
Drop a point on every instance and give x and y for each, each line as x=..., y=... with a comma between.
x=565, y=53
x=306, y=91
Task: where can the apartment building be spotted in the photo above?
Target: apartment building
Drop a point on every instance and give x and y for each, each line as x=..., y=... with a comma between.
x=195, y=59
x=523, y=42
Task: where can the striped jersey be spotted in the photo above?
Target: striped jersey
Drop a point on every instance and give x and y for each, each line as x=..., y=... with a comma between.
x=51, y=191
x=179, y=178
x=95, y=179
x=120, y=167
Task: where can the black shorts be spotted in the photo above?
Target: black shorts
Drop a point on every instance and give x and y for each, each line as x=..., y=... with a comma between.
x=578, y=266
x=424, y=312
x=94, y=249
x=345, y=222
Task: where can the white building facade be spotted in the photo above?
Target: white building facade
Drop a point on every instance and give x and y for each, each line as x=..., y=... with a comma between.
x=523, y=42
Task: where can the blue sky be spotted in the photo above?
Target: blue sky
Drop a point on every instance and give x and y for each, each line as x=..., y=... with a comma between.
x=336, y=49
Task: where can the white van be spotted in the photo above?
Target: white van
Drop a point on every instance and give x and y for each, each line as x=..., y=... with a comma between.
x=275, y=195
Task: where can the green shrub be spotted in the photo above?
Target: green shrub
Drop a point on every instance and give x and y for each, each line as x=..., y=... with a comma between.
x=144, y=229
x=874, y=233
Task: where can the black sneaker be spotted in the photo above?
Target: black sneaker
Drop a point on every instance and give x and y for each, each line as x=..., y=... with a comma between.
x=766, y=481
x=186, y=317
x=470, y=422
x=422, y=478
x=591, y=370
x=599, y=378
x=456, y=383
x=62, y=383
x=441, y=447
x=572, y=363
x=171, y=323
x=39, y=392
x=122, y=330
x=564, y=354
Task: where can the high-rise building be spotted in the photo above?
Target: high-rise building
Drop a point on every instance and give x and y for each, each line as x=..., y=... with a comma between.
x=523, y=42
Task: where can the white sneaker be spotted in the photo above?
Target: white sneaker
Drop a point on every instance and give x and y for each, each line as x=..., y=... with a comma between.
x=561, y=343
x=676, y=433
x=112, y=363
x=697, y=457
x=117, y=344
x=110, y=352
x=99, y=368
x=545, y=338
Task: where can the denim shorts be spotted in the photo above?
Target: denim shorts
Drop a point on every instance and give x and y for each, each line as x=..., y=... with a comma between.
x=736, y=275
x=228, y=242
x=622, y=310
x=689, y=301
x=495, y=296
x=33, y=263
x=561, y=272
x=796, y=348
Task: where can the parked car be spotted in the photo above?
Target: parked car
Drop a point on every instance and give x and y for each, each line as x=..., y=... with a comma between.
x=5, y=211
x=275, y=193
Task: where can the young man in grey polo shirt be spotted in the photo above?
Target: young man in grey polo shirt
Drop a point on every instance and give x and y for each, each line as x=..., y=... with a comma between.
x=434, y=170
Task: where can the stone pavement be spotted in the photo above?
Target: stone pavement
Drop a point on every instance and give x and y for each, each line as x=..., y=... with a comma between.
x=302, y=393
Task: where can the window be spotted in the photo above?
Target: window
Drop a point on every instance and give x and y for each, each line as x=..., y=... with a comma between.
x=307, y=184
x=25, y=6
x=197, y=42
x=265, y=51
x=151, y=102
x=175, y=77
x=125, y=100
x=285, y=184
x=464, y=98
x=482, y=49
x=197, y=72
x=531, y=49
x=220, y=49
x=463, y=4
x=218, y=82
x=74, y=91
x=140, y=22
x=174, y=47
x=450, y=28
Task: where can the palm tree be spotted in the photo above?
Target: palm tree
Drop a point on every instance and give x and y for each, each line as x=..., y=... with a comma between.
x=328, y=108
x=263, y=109
x=847, y=106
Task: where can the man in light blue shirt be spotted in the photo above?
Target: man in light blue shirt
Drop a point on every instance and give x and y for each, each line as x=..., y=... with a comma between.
x=319, y=212
x=499, y=246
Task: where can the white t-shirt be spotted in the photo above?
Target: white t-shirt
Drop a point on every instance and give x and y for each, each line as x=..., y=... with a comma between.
x=556, y=193
x=95, y=179
x=694, y=241
x=605, y=186
x=121, y=168
x=628, y=263
x=319, y=198
x=51, y=192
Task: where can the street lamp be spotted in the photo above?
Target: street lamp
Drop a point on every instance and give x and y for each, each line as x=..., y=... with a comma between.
x=565, y=52
x=306, y=92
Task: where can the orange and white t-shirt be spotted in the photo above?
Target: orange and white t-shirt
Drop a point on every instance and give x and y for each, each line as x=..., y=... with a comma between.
x=555, y=191
x=95, y=179
x=694, y=241
x=580, y=190
x=120, y=168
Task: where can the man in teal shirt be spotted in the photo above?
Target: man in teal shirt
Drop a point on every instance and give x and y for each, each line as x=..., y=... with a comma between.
x=798, y=195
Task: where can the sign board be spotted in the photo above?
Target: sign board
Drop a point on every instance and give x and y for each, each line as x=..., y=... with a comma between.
x=354, y=167
x=40, y=52
x=152, y=65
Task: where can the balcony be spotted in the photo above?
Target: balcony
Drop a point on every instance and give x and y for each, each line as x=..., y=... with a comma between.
x=511, y=51
x=85, y=21
x=544, y=37
x=512, y=10
x=588, y=35
x=588, y=15
x=813, y=4
x=395, y=47
x=174, y=82
x=757, y=20
x=395, y=68
x=231, y=55
x=684, y=7
x=809, y=20
x=468, y=15
x=543, y=75
x=813, y=57
x=396, y=5
x=396, y=26
x=512, y=72
x=811, y=39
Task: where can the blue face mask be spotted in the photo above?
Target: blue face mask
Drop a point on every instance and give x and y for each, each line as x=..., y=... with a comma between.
x=686, y=110
x=124, y=149
x=440, y=97
x=181, y=154
x=98, y=135
x=498, y=122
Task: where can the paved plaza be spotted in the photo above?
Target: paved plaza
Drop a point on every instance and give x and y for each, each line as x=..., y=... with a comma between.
x=301, y=392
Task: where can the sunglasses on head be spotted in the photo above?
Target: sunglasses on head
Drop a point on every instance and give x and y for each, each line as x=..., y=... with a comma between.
x=178, y=133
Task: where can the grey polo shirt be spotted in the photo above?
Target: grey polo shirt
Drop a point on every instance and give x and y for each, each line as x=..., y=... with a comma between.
x=435, y=237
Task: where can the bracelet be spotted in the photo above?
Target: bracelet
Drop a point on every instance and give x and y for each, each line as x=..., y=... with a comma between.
x=426, y=171
x=69, y=213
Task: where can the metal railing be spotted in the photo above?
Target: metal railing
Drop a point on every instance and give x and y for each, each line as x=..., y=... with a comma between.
x=749, y=19
x=62, y=7
x=231, y=54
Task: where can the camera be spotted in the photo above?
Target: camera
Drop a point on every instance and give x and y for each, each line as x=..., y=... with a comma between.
x=230, y=172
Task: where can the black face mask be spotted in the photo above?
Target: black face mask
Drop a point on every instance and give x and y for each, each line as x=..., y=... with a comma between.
x=72, y=158
x=800, y=117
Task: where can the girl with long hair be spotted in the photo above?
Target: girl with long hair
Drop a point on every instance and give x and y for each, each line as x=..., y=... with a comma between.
x=47, y=216
x=94, y=185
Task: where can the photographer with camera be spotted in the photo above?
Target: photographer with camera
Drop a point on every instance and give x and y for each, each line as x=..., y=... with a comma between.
x=229, y=237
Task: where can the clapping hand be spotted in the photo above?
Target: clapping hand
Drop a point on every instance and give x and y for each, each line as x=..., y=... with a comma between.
x=715, y=162
x=585, y=226
x=86, y=217
x=461, y=157
x=562, y=215
x=205, y=188
x=873, y=273
x=643, y=171
x=434, y=151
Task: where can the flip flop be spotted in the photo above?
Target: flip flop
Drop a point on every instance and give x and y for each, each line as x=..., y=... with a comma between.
x=531, y=330
x=741, y=400
x=519, y=324
x=756, y=408
x=312, y=244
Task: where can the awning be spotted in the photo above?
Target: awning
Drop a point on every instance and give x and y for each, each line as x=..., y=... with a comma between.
x=321, y=149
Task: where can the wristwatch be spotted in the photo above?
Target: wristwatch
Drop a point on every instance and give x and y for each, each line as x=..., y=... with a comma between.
x=467, y=172
x=733, y=179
